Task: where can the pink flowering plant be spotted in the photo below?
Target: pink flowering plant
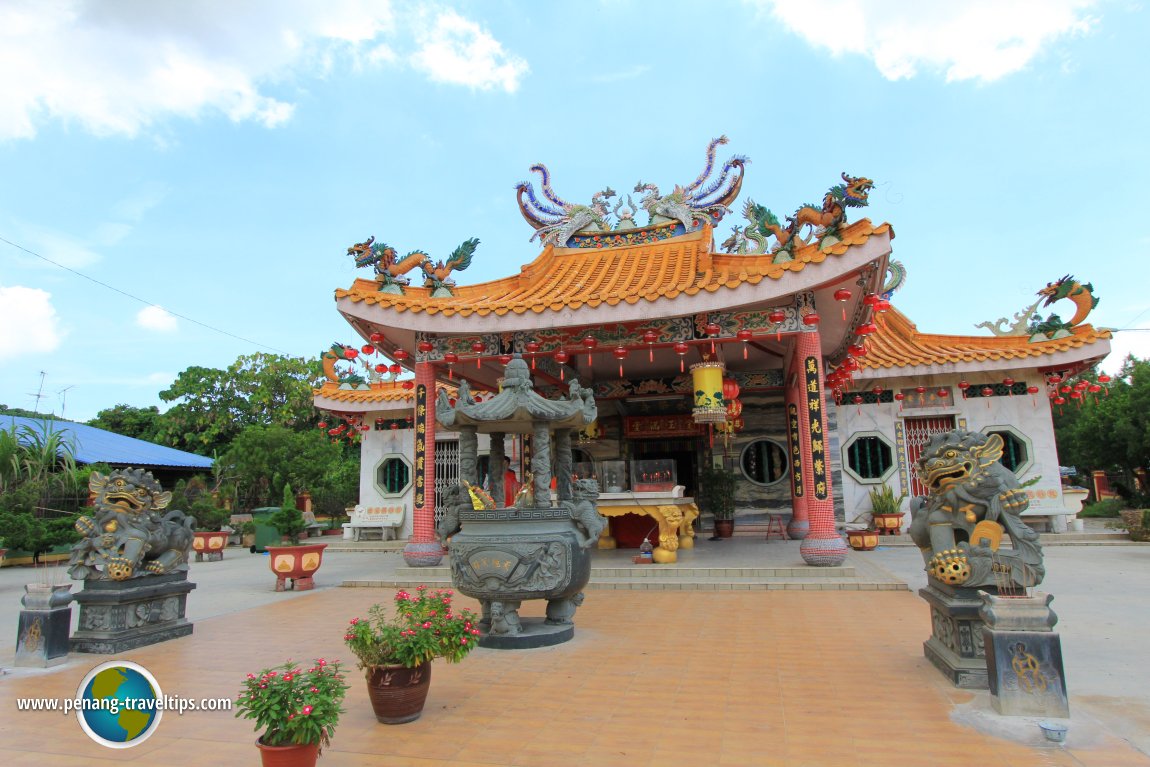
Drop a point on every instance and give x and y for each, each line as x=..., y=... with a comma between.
x=422, y=627
x=294, y=705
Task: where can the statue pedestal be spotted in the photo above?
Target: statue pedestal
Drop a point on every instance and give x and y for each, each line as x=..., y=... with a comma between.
x=1024, y=656
x=955, y=646
x=121, y=615
x=42, y=636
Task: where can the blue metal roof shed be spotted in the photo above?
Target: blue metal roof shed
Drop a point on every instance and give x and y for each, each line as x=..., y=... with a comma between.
x=92, y=445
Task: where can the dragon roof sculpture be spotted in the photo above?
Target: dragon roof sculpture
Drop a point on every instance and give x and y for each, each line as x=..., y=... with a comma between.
x=556, y=221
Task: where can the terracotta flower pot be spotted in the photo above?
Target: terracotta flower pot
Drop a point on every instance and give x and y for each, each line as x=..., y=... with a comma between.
x=862, y=540
x=724, y=528
x=297, y=563
x=210, y=544
x=398, y=693
x=303, y=755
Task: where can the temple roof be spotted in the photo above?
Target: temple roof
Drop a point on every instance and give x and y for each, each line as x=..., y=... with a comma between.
x=381, y=395
x=571, y=278
x=898, y=344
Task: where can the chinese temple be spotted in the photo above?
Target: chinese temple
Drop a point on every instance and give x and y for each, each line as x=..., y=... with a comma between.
x=775, y=356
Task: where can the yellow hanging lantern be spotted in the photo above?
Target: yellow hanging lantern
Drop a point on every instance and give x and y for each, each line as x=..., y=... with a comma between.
x=707, y=381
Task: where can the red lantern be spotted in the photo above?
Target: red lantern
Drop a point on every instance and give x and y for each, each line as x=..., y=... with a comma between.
x=1081, y=385
x=376, y=338
x=1103, y=379
x=964, y=385
x=589, y=343
x=400, y=355
x=681, y=349
x=649, y=338
x=1054, y=379
x=920, y=389
x=943, y=393
x=850, y=364
x=350, y=353
x=561, y=357
x=857, y=399
x=1032, y=390
x=1065, y=388
x=882, y=306
x=322, y=425
x=856, y=350
x=810, y=319
x=367, y=349
x=745, y=336
x=532, y=348
x=504, y=359
x=730, y=390
x=425, y=346
x=899, y=397
x=409, y=384
x=365, y=427
x=877, y=391
x=870, y=299
x=712, y=329
x=866, y=329
x=987, y=391
x=478, y=348
x=450, y=358
x=394, y=368
x=381, y=368
x=620, y=354
x=777, y=317
x=842, y=295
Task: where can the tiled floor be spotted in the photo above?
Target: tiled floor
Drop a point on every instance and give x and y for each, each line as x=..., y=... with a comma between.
x=652, y=678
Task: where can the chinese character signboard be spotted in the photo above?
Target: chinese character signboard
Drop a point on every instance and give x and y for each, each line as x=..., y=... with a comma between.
x=796, y=451
x=420, y=441
x=815, y=411
x=640, y=426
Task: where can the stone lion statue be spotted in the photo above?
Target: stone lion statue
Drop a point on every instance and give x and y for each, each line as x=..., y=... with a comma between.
x=974, y=500
x=128, y=535
x=584, y=513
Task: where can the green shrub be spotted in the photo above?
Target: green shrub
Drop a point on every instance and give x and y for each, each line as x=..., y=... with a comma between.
x=288, y=520
x=1108, y=508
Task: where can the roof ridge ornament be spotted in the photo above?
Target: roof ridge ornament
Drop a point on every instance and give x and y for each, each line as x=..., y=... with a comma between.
x=557, y=222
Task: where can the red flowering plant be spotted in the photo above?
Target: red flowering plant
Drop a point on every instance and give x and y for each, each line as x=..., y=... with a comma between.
x=294, y=705
x=424, y=626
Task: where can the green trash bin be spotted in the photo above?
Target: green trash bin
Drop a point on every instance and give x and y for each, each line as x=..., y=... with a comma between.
x=266, y=534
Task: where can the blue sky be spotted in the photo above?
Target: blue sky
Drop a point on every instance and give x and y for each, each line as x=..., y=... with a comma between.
x=216, y=159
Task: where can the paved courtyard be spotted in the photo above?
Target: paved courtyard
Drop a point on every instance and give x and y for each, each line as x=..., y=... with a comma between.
x=790, y=678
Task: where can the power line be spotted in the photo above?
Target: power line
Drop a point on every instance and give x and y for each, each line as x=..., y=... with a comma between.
x=143, y=301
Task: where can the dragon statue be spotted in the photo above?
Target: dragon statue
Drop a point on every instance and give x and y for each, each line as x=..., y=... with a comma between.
x=555, y=220
x=825, y=221
x=127, y=536
x=388, y=270
x=337, y=354
x=436, y=276
x=696, y=202
x=1082, y=294
x=973, y=501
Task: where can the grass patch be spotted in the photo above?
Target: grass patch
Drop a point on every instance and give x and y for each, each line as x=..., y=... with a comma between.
x=1108, y=508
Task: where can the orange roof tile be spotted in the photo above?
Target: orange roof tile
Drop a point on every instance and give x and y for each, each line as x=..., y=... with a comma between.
x=384, y=393
x=569, y=278
x=899, y=344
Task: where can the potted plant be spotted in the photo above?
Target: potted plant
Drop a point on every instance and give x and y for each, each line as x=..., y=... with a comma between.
x=1137, y=523
x=295, y=562
x=248, y=534
x=296, y=709
x=863, y=540
x=886, y=509
x=396, y=650
x=717, y=493
x=209, y=540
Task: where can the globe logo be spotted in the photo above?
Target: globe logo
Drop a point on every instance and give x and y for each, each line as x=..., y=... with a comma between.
x=119, y=704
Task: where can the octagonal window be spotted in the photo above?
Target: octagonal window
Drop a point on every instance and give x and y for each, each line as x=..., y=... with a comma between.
x=869, y=457
x=1016, y=450
x=393, y=475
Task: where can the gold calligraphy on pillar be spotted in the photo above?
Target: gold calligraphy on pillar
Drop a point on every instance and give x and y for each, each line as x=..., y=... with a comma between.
x=420, y=442
x=796, y=450
x=815, y=411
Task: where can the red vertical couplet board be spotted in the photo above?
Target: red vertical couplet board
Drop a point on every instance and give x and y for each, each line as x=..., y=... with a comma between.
x=818, y=437
x=420, y=441
x=796, y=450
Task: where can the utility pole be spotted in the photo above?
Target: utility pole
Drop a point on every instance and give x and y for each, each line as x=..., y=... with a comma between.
x=63, y=393
x=39, y=394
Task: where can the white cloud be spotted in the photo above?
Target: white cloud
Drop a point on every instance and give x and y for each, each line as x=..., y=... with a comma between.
x=117, y=67
x=29, y=325
x=971, y=40
x=458, y=51
x=157, y=318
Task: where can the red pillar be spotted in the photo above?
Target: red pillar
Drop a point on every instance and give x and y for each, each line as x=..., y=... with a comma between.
x=423, y=549
x=799, y=526
x=823, y=546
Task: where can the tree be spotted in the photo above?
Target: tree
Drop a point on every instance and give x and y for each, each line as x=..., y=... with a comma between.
x=288, y=520
x=35, y=466
x=263, y=458
x=214, y=406
x=129, y=421
x=1112, y=433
